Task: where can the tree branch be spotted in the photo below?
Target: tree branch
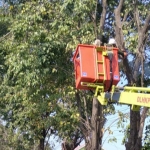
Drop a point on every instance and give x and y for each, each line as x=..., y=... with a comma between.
x=94, y=19
x=141, y=126
x=143, y=32
x=117, y=14
x=142, y=70
x=86, y=114
x=142, y=121
x=136, y=16
x=5, y=36
x=95, y=112
x=125, y=17
x=120, y=40
x=103, y=15
x=147, y=24
x=118, y=26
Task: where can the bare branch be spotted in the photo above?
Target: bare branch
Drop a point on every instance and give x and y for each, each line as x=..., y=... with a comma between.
x=142, y=34
x=118, y=26
x=120, y=40
x=84, y=123
x=125, y=17
x=147, y=24
x=142, y=121
x=120, y=5
x=117, y=14
x=136, y=15
x=5, y=36
x=86, y=113
x=94, y=19
x=141, y=126
x=142, y=69
x=103, y=15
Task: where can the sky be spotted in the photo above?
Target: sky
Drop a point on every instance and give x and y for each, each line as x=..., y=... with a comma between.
x=112, y=122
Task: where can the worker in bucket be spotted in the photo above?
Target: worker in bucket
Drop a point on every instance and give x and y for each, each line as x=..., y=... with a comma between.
x=97, y=43
x=113, y=43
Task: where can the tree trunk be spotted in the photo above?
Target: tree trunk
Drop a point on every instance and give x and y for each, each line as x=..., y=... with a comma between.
x=140, y=133
x=41, y=144
x=97, y=124
x=42, y=140
x=92, y=130
x=134, y=128
x=84, y=125
x=67, y=146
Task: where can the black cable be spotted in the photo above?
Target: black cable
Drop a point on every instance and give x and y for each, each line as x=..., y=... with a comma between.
x=110, y=56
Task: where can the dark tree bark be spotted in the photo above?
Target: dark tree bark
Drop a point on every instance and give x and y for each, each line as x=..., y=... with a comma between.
x=97, y=125
x=84, y=124
x=42, y=140
x=97, y=120
x=103, y=16
x=136, y=120
x=77, y=139
x=91, y=128
x=67, y=146
x=41, y=145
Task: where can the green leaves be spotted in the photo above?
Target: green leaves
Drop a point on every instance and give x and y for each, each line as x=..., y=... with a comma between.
x=146, y=145
x=37, y=80
x=38, y=70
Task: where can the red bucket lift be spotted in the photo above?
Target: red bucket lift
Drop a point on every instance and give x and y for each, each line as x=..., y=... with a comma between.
x=96, y=65
x=97, y=68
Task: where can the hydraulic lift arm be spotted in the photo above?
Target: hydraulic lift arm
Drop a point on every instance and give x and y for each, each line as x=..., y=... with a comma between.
x=135, y=96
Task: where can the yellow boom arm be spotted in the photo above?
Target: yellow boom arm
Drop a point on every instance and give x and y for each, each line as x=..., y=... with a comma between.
x=135, y=96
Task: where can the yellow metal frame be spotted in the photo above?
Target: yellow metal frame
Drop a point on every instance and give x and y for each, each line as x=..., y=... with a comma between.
x=104, y=50
x=135, y=96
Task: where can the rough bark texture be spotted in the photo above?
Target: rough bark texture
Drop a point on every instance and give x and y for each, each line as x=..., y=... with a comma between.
x=97, y=109
x=42, y=140
x=103, y=15
x=136, y=120
x=120, y=41
x=140, y=132
x=67, y=146
x=84, y=125
x=97, y=121
x=41, y=145
x=134, y=128
x=91, y=128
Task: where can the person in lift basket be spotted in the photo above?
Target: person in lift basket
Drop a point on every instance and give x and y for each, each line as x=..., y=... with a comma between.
x=113, y=43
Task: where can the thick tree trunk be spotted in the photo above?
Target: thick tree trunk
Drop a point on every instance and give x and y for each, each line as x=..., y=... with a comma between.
x=92, y=130
x=140, y=133
x=134, y=128
x=42, y=140
x=84, y=125
x=67, y=146
x=97, y=124
x=41, y=144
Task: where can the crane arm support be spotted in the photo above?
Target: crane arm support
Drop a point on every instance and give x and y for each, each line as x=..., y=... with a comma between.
x=135, y=99
x=134, y=96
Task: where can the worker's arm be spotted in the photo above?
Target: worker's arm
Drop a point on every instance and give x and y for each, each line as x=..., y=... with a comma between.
x=122, y=53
